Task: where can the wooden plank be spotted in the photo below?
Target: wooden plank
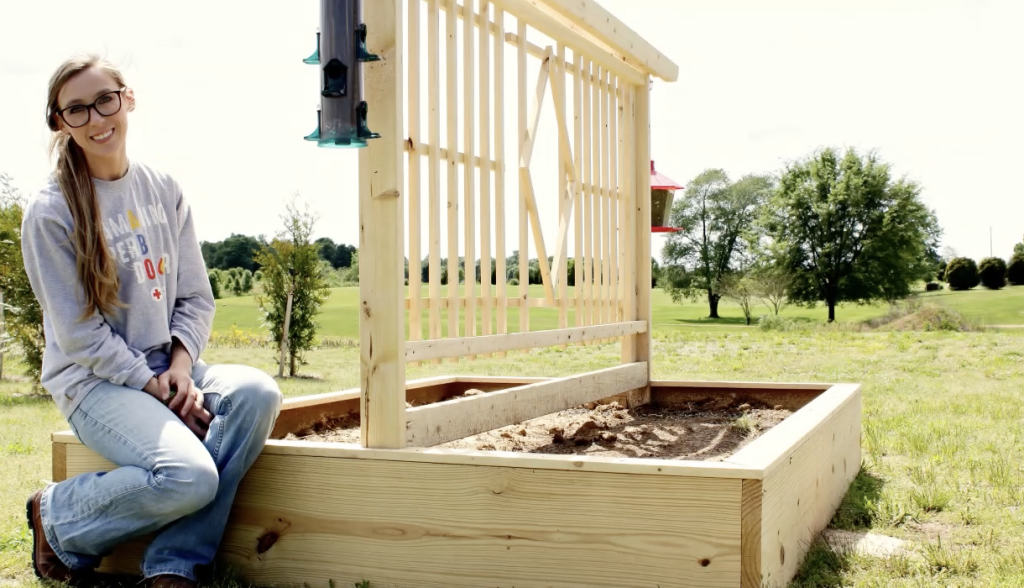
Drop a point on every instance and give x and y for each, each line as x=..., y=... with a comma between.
x=382, y=235
x=499, y=174
x=59, y=462
x=810, y=462
x=596, y=199
x=424, y=150
x=561, y=249
x=577, y=196
x=596, y=20
x=81, y=459
x=468, y=183
x=629, y=239
x=485, y=174
x=613, y=203
x=587, y=171
x=415, y=258
x=536, y=107
x=451, y=97
x=750, y=535
x=524, y=247
x=455, y=419
x=642, y=206
x=548, y=24
x=424, y=350
x=605, y=206
x=511, y=303
x=434, y=131
x=526, y=180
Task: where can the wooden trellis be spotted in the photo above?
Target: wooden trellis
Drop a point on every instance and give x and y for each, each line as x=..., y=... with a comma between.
x=600, y=96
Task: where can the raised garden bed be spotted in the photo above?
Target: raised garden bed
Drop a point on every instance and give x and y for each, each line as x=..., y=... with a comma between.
x=314, y=512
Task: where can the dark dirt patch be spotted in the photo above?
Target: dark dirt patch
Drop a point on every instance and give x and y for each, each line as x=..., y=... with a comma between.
x=709, y=431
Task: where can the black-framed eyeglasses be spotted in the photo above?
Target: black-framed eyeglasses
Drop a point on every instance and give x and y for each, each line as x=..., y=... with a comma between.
x=78, y=115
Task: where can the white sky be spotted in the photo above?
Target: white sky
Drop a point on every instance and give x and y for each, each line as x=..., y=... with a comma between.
x=224, y=101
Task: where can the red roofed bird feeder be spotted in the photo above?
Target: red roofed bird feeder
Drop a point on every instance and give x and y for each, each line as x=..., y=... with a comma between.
x=662, y=194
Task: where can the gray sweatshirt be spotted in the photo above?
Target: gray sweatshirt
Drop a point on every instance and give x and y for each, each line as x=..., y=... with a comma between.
x=149, y=231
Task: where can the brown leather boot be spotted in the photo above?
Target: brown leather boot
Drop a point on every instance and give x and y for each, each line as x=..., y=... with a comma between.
x=171, y=581
x=45, y=561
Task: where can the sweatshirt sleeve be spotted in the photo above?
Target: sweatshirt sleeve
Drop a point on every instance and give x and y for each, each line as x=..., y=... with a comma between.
x=194, y=307
x=51, y=266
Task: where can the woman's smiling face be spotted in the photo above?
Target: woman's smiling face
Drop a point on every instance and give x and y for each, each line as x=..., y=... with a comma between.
x=87, y=95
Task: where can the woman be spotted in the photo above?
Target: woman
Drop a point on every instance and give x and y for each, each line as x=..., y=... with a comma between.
x=112, y=255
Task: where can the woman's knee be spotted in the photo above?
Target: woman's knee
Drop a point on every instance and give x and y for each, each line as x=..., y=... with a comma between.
x=186, y=484
x=258, y=394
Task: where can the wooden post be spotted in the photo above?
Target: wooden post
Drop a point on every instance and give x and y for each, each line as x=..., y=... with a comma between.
x=642, y=254
x=382, y=235
x=284, y=333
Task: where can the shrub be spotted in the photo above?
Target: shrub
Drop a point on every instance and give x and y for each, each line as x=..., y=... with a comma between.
x=962, y=274
x=1015, y=271
x=215, y=283
x=992, y=273
x=932, y=287
x=772, y=322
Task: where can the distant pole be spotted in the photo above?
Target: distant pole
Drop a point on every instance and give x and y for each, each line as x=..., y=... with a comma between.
x=284, y=333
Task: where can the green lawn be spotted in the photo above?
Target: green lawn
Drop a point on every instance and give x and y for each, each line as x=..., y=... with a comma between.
x=942, y=426
x=340, y=319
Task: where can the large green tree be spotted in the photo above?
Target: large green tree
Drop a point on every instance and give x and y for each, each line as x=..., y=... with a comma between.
x=23, y=317
x=717, y=217
x=291, y=263
x=847, y=232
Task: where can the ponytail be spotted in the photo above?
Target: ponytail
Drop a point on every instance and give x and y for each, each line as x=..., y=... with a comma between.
x=97, y=270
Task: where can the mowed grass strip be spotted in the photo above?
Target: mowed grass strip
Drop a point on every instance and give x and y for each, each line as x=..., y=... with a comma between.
x=943, y=432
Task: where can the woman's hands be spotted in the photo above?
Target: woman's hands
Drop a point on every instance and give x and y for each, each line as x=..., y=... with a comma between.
x=179, y=393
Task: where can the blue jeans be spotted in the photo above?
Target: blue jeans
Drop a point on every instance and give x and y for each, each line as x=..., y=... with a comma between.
x=168, y=481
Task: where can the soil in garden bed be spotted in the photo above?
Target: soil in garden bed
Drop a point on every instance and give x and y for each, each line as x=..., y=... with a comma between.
x=707, y=431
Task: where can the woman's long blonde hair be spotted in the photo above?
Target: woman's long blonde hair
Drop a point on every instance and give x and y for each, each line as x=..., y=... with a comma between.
x=97, y=271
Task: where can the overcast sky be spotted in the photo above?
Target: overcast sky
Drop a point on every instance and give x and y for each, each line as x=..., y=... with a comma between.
x=224, y=100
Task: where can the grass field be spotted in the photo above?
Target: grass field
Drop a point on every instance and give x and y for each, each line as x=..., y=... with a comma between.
x=340, y=319
x=943, y=428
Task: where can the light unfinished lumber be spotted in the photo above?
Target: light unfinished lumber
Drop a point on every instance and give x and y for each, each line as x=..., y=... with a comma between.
x=382, y=236
x=469, y=104
x=809, y=461
x=642, y=194
x=485, y=174
x=499, y=174
x=596, y=20
x=452, y=80
x=552, y=26
x=462, y=417
x=426, y=350
x=415, y=163
x=434, y=192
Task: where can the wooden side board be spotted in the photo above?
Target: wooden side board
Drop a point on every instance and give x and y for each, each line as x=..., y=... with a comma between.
x=808, y=462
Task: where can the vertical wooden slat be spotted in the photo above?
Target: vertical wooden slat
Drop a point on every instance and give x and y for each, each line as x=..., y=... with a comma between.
x=558, y=78
x=588, y=192
x=613, y=168
x=434, y=132
x=605, y=202
x=577, y=200
x=469, y=147
x=382, y=236
x=415, y=160
x=642, y=193
x=485, y=167
x=595, y=121
x=452, y=122
x=499, y=172
x=524, y=270
x=629, y=237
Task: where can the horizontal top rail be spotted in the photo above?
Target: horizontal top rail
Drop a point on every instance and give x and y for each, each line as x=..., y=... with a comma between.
x=590, y=18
